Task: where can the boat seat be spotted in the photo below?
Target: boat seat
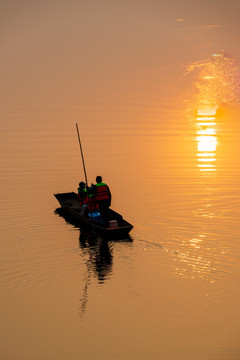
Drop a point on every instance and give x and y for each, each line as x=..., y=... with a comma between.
x=76, y=207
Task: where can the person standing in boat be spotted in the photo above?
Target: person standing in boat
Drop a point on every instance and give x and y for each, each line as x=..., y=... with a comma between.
x=102, y=197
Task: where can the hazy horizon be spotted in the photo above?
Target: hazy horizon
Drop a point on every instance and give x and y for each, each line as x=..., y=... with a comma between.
x=69, y=54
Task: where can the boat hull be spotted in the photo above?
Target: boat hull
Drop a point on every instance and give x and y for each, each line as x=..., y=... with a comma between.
x=70, y=203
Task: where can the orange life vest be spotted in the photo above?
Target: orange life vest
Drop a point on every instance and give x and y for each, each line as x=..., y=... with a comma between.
x=83, y=197
x=102, y=192
x=87, y=199
x=92, y=205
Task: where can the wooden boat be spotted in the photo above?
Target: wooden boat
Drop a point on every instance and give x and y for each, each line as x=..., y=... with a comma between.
x=70, y=203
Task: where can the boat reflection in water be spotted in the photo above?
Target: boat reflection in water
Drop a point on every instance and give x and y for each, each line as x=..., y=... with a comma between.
x=206, y=139
x=97, y=253
x=100, y=255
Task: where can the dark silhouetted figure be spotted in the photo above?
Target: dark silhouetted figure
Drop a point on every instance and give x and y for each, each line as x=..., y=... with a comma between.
x=83, y=198
x=103, y=198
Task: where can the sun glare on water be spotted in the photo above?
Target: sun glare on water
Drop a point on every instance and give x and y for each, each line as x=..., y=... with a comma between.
x=206, y=139
x=216, y=84
x=217, y=81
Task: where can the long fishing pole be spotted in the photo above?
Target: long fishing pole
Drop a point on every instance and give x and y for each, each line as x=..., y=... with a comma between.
x=80, y=145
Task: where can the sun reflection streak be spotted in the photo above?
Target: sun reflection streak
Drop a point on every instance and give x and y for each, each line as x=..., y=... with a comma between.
x=216, y=84
x=207, y=132
x=206, y=139
x=206, y=144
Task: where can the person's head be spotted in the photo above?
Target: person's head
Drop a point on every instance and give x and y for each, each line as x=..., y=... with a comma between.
x=82, y=185
x=98, y=179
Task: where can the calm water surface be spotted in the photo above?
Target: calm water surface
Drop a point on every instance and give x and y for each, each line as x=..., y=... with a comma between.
x=169, y=292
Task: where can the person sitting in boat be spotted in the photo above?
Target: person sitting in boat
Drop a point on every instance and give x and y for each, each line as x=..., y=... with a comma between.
x=102, y=197
x=86, y=199
x=83, y=198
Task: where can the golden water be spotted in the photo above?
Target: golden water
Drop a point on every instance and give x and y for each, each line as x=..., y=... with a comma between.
x=158, y=111
x=173, y=291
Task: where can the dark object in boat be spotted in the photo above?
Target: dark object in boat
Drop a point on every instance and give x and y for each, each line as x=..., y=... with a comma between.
x=70, y=203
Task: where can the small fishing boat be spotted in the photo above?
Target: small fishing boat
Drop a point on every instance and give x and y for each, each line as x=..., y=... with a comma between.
x=117, y=225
